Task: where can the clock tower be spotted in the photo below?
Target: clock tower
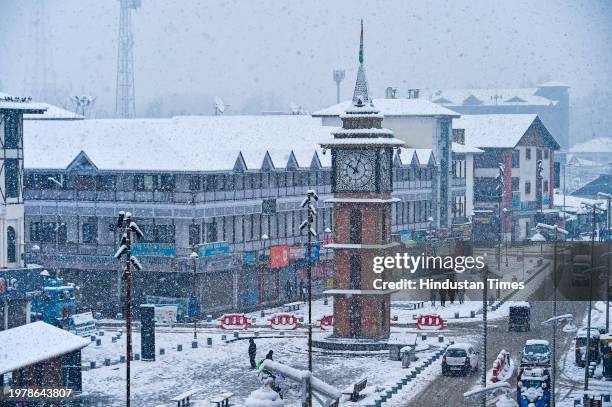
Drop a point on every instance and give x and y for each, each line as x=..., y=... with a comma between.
x=362, y=182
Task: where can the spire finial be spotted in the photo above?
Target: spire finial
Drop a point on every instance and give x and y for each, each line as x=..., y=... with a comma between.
x=361, y=44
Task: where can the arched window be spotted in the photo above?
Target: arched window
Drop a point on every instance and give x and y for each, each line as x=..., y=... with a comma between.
x=355, y=226
x=355, y=272
x=11, y=245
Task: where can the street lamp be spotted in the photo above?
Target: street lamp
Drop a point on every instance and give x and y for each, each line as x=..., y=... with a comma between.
x=557, y=230
x=194, y=257
x=608, y=198
x=594, y=207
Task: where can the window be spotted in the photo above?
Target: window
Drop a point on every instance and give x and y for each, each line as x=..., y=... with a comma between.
x=11, y=131
x=516, y=159
x=545, y=186
x=383, y=225
x=35, y=231
x=166, y=183
x=355, y=226
x=211, y=231
x=194, y=234
x=546, y=154
x=528, y=153
x=194, y=183
x=139, y=183
x=11, y=245
x=527, y=187
x=11, y=178
x=85, y=183
x=89, y=230
x=210, y=183
x=105, y=183
x=158, y=233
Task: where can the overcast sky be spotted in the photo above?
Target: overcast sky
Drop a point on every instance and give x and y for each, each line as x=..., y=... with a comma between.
x=264, y=54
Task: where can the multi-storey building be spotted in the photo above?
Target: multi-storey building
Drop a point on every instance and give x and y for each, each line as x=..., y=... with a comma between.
x=228, y=183
x=16, y=280
x=520, y=142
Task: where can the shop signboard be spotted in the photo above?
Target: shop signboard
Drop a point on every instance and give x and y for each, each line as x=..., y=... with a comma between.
x=250, y=258
x=315, y=251
x=295, y=252
x=279, y=256
x=222, y=262
x=213, y=249
x=154, y=249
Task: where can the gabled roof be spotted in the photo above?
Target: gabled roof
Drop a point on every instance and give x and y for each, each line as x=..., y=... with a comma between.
x=53, y=112
x=33, y=343
x=10, y=102
x=393, y=107
x=490, y=97
x=494, y=130
x=596, y=145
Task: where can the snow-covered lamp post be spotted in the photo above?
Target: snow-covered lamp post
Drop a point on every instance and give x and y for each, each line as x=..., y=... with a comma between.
x=558, y=231
x=124, y=219
x=308, y=203
x=194, y=257
x=608, y=198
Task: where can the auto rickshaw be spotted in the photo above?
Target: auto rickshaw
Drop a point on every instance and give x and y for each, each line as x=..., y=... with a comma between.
x=605, y=342
x=519, y=315
x=594, y=349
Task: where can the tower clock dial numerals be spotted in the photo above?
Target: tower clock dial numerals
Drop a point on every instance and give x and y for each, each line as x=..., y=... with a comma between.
x=356, y=170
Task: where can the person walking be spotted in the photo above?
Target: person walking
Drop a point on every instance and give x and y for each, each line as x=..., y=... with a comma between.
x=451, y=295
x=461, y=295
x=443, y=297
x=252, y=353
x=432, y=297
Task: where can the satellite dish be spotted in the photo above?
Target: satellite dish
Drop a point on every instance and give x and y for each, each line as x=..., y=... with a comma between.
x=219, y=106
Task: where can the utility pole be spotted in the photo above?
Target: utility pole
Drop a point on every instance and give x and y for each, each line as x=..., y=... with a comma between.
x=608, y=197
x=308, y=203
x=500, y=190
x=194, y=257
x=483, y=356
x=125, y=248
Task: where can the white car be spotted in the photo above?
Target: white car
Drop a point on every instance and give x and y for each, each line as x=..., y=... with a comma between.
x=536, y=353
x=460, y=358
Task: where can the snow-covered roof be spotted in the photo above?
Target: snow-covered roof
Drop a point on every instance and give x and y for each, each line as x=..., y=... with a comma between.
x=462, y=148
x=416, y=156
x=184, y=143
x=494, y=130
x=536, y=342
x=573, y=203
x=490, y=97
x=18, y=103
x=596, y=145
x=460, y=345
x=34, y=343
x=53, y=112
x=393, y=107
x=553, y=84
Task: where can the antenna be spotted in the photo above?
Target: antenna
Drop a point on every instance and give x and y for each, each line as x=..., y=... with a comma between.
x=219, y=106
x=125, y=105
x=295, y=108
x=83, y=104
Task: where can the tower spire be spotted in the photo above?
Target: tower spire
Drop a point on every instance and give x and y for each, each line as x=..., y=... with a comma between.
x=361, y=95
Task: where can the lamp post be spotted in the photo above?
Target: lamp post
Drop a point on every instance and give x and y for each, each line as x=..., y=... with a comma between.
x=194, y=257
x=45, y=275
x=608, y=198
x=309, y=203
x=505, y=212
x=500, y=191
x=558, y=231
x=125, y=248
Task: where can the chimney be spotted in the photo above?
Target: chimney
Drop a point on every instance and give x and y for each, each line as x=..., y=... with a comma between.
x=413, y=93
x=390, y=93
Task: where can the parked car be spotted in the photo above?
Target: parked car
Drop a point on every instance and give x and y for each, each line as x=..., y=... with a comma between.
x=460, y=358
x=519, y=315
x=536, y=352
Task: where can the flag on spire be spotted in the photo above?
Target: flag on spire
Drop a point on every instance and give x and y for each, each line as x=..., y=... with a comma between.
x=361, y=44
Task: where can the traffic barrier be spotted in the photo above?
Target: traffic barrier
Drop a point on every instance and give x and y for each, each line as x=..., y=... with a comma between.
x=430, y=322
x=282, y=322
x=501, y=367
x=234, y=321
x=326, y=321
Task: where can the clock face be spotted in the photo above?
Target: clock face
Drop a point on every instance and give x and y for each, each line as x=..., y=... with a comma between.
x=355, y=171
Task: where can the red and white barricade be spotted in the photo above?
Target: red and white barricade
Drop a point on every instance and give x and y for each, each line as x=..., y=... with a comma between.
x=284, y=322
x=326, y=321
x=234, y=321
x=502, y=367
x=430, y=322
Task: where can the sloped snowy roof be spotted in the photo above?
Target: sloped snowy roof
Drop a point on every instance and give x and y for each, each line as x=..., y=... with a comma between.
x=596, y=145
x=184, y=143
x=13, y=103
x=393, y=107
x=462, y=148
x=553, y=84
x=53, y=113
x=422, y=156
x=494, y=130
x=33, y=343
x=490, y=97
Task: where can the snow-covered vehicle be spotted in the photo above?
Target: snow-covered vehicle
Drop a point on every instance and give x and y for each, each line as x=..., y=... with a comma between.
x=536, y=352
x=580, y=346
x=533, y=388
x=519, y=315
x=460, y=358
x=82, y=324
